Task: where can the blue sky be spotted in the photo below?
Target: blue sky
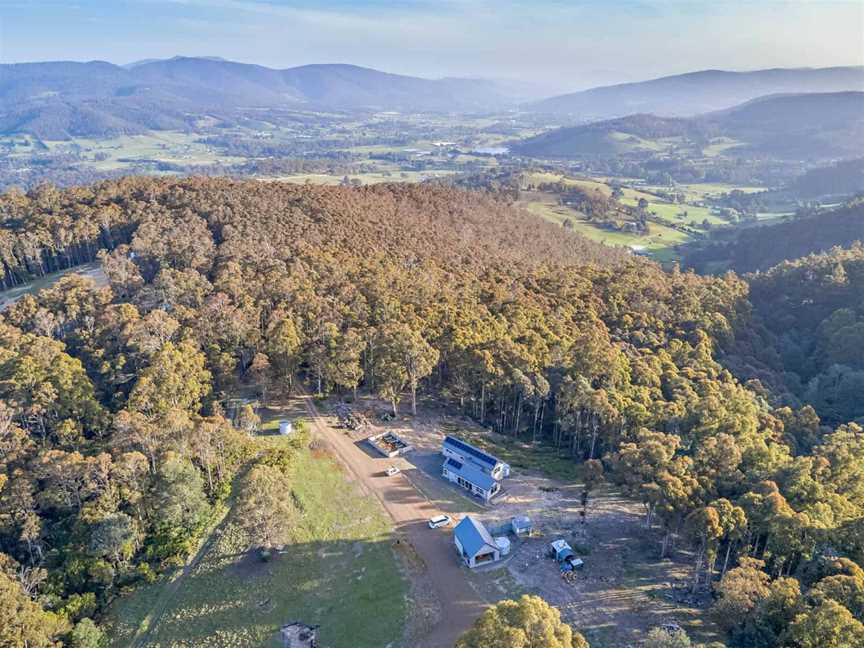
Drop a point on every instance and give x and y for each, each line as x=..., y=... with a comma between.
x=561, y=44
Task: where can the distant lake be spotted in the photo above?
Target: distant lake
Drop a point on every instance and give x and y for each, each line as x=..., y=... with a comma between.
x=491, y=150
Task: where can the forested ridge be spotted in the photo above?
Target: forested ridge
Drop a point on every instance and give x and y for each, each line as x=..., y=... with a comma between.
x=810, y=331
x=116, y=445
x=762, y=247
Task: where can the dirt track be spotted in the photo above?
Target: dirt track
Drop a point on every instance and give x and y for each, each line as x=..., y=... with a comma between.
x=459, y=603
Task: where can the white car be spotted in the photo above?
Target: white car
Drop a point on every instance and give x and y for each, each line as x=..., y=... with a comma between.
x=439, y=521
x=392, y=470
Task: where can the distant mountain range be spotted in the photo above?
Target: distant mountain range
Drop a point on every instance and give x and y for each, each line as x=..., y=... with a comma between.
x=59, y=100
x=799, y=126
x=97, y=99
x=698, y=92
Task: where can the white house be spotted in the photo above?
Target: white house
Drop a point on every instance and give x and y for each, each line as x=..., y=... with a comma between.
x=476, y=471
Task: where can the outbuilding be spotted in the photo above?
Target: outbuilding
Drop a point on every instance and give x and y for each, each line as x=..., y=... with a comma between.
x=474, y=543
x=521, y=525
x=503, y=543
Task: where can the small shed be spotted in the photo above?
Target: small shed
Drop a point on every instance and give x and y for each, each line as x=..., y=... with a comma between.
x=474, y=544
x=563, y=553
x=521, y=525
x=285, y=427
x=503, y=543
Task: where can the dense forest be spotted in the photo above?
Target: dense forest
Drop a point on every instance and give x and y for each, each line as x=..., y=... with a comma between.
x=809, y=314
x=116, y=443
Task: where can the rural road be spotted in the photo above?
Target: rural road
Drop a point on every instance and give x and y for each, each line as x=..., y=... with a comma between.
x=460, y=604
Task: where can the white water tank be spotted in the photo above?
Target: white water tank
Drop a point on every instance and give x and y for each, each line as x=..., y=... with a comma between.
x=503, y=545
x=285, y=427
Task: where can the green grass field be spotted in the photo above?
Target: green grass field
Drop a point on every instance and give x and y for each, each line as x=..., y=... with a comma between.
x=364, y=178
x=339, y=572
x=682, y=214
x=165, y=146
x=719, y=146
x=662, y=238
x=660, y=241
x=20, y=144
x=93, y=270
x=587, y=184
x=699, y=191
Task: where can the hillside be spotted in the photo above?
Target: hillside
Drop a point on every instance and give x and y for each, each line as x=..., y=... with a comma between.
x=759, y=248
x=610, y=138
x=698, y=92
x=803, y=126
x=411, y=222
x=807, y=126
x=812, y=309
x=842, y=178
x=124, y=441
x=59, y=100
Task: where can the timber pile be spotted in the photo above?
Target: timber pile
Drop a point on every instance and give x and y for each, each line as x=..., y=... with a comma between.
x=348, y=418
x=569, y=577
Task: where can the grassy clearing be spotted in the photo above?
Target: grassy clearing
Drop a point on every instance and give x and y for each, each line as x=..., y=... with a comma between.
x=683, y=214
x=339, y=572
x=660, y=241
x=720, y=145
x=21, y=144
x=164, y=146
x=587, y=184
x=662, y=238
x=700, y=191
x=92, y=270
x=364, y=178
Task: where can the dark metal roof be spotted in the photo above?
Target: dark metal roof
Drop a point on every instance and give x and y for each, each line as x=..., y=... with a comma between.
x=473, y=536
x=475, y=454
x=521, y=522
x=471, y=473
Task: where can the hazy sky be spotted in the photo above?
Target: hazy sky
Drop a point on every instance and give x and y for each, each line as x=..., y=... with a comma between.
x=562, y=44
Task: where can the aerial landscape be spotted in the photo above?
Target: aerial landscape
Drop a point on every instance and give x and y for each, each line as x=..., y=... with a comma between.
x=454, y=324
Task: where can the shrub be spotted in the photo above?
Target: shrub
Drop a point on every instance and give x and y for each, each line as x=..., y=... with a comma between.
x=87, y=634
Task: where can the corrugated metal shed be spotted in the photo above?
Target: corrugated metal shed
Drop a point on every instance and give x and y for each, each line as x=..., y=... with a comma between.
x=473, y=536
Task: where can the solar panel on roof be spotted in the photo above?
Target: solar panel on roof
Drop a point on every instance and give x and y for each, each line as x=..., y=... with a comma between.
x=471, y=450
